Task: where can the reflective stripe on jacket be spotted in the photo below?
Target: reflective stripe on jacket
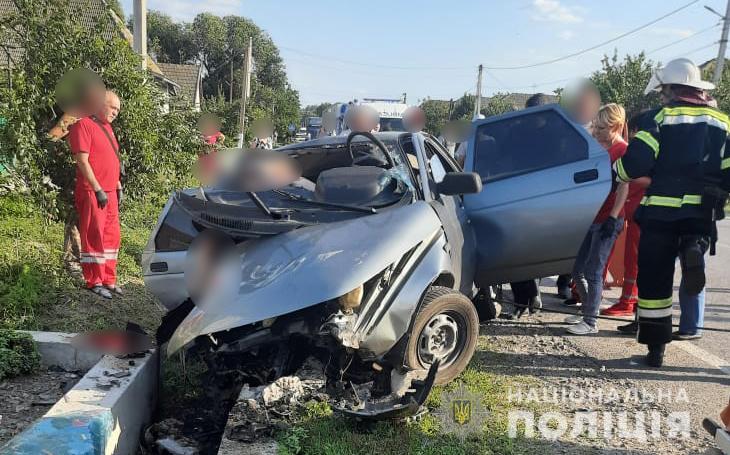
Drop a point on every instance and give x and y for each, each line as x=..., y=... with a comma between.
x=683, y=148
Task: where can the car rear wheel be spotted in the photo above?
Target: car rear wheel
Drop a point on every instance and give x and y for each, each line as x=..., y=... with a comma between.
x=446, y=328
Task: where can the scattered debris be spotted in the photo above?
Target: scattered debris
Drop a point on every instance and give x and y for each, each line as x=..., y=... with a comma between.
x=25, y=398
x=165, y=438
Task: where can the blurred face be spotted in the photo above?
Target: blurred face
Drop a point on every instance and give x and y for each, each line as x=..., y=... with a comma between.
x=110, y=110
x=587, y=106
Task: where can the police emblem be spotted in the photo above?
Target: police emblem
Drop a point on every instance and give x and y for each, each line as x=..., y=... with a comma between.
x=461, y=412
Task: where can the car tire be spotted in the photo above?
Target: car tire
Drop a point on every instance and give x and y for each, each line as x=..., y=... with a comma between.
x=446, y=326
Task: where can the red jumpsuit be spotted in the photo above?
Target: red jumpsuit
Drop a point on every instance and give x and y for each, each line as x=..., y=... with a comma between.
x=98, y=227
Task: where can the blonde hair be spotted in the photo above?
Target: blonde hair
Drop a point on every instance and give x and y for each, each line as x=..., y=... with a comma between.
x=612, y=117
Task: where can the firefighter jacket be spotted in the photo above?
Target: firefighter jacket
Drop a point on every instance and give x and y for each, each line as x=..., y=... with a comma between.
x=683, y=148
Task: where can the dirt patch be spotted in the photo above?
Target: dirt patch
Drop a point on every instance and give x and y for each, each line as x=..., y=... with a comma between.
x=571, y=383
x=79, y=310
x=24, y=399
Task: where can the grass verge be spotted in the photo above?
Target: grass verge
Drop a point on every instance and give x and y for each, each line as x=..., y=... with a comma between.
x=37, y=293
x=319, y=431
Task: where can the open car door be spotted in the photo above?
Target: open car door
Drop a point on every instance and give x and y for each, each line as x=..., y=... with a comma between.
x=545, y=179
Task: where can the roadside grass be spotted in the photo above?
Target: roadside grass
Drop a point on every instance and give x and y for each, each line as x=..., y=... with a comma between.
x=37, y=293
x=320, y=431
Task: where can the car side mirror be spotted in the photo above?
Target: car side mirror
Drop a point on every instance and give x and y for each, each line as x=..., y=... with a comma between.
x=457, y=183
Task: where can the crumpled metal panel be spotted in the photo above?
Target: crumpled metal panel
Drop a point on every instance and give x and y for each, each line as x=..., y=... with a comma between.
x=288, y=272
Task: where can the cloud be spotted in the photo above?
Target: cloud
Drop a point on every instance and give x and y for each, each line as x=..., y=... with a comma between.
x=566, y=34
x=554, y=11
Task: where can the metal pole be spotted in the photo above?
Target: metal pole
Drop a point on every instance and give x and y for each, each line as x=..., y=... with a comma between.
x=720, y=62
x=478, y=104
x=246, y=91
x=140, y=30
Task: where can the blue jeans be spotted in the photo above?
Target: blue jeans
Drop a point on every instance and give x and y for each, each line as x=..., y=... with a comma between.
x=588, y=270
x=692, y=311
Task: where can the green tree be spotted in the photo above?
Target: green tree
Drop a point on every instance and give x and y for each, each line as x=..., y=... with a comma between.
x=464, y=107
x=623, y=82
x=722, y=92
x=498, y=104
x=437, y=114
x=170, y=41
x=316, y=110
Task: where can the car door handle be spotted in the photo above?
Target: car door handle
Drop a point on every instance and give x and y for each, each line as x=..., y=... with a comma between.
x=585, y=176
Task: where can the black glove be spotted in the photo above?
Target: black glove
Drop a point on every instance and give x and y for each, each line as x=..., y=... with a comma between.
x=101, y=199
x=120, y=196
x=610, y=226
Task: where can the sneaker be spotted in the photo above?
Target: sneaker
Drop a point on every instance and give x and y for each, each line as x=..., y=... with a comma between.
x=629, y=329
x=582, y=328
x=570, y=302
x=101, y=291
x=114, y=288
x=620, y=309
x=573, y=319
x=680, y=336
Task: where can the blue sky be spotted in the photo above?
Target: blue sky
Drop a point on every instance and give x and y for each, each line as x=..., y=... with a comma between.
x=430, y=48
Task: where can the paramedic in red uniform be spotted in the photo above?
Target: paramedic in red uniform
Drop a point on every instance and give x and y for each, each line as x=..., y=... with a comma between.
x=97, y=193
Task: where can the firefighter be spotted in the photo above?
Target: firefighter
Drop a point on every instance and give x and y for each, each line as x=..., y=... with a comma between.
x=97, y=194
x=682, y=147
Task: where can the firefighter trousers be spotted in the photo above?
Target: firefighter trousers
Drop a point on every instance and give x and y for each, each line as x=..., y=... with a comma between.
x=100, y=237
x=659, y=247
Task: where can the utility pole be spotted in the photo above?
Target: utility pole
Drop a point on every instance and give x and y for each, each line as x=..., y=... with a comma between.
x=478, y=104
x=245, y=93
x=230, y=89
x=720, y=62
x=139, y=39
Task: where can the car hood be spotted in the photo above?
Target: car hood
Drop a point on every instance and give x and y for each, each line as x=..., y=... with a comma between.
x=284, y=273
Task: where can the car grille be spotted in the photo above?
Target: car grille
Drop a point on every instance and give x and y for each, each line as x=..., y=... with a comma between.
x=230, y=223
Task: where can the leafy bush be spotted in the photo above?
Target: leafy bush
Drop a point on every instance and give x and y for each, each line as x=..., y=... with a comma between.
x=18, y=354
x=158, y=149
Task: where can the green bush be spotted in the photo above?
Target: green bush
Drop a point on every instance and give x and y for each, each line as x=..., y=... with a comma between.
x=18, y=354
x=158, y=149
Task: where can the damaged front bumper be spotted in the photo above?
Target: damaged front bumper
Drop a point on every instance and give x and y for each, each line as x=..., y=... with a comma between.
x=399, y=404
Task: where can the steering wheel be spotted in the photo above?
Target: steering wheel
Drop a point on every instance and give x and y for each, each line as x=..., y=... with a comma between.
x=374, y=140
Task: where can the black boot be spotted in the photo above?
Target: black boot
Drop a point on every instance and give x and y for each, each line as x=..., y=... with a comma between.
x=629, y=329
x=655, y=357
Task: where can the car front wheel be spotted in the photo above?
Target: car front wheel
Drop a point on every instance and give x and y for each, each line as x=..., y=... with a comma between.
x=446, y=328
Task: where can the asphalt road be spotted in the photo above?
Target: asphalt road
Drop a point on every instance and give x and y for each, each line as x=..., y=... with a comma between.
x=696, y=374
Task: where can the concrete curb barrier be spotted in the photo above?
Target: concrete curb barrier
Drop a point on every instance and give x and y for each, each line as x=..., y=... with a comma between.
x=56, y=350
x=105, y=413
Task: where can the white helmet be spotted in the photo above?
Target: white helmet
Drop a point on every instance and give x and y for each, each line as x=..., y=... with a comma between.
x=681, y=71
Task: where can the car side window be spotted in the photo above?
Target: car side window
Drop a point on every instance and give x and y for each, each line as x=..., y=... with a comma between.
x=526, y=143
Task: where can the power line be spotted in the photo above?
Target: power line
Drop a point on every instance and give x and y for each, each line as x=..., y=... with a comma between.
x=683, y=39
x=373, y=65
x=583, y=51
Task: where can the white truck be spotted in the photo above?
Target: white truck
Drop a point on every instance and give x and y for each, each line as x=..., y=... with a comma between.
x=390, y=111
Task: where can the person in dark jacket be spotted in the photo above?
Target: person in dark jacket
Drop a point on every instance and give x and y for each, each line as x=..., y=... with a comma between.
x=683, y=147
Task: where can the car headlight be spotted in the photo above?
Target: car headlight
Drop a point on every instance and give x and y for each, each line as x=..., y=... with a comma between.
x=351, y=301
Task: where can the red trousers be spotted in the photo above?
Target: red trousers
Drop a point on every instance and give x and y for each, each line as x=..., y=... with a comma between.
x=630, y=292
x=100, y=237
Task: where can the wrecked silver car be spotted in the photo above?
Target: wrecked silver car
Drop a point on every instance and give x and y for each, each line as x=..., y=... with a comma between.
x=372, y=259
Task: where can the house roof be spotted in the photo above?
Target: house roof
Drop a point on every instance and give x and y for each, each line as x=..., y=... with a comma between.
x=91, y=14
x=186, y=76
